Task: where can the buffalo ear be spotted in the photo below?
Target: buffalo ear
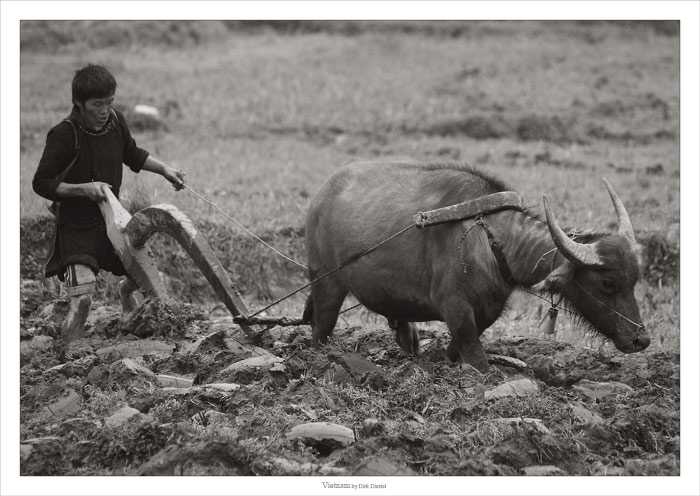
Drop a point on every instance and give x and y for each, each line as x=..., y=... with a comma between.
x=557, y=279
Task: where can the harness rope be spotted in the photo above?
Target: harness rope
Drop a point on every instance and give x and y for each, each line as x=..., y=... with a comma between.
x=344, y=264
x=609, y=307
x=245, y=229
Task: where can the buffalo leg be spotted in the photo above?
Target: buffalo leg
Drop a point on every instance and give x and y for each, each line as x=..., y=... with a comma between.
x=327, y=297
x=465, y=345
x=406, y=335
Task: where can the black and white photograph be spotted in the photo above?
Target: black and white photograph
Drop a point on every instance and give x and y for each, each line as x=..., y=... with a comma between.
x=359, y=250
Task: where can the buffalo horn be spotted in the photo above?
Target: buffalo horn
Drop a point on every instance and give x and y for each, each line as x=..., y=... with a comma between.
x=624, y=224
x=578, y=253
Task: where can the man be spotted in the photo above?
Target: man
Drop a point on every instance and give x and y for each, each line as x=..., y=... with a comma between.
x=84, y=153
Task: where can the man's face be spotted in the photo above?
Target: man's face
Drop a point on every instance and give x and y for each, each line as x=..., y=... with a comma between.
x=95, y=111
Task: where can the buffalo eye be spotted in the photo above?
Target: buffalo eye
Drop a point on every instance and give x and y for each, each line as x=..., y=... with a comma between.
x=609, y=286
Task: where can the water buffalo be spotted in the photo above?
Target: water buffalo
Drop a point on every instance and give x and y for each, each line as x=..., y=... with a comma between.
x=449, y=272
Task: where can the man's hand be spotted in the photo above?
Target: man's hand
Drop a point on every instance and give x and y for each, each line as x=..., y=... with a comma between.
x=176, y=177
x=94, y=191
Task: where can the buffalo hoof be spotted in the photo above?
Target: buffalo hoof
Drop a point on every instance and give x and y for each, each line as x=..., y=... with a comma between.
x=471, y=355
x=407, y=337
x=318, y=340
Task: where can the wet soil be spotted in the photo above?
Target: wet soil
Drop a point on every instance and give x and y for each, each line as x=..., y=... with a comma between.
x=204, y=400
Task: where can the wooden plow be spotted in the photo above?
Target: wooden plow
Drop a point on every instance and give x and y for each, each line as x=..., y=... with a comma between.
x=129, y=234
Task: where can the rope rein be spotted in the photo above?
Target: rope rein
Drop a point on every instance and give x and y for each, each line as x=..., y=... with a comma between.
x=344, y=264
x=609, y=307
x=245, y=229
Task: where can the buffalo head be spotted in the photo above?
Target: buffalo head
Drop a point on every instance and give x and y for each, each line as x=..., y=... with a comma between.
x=598, y=278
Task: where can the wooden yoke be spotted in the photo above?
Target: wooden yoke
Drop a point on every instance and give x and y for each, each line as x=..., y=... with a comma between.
x=129, y=235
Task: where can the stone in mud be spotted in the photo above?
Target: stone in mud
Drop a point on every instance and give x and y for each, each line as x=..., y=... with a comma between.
x=125, y=414
x=379, y=466
x=80, y=425
x=29, y=348
x=372, y=427
x=507, y=361
x=128, y=372
x=355, y=364
x=284, y=466
x=79, y=367
x=361, y=370
x=75, y=350
x=26, y=334
x=249, y=369
x=175, y=381
x=212, y=391
x=255, y=362
x=101, y=316
x=583, y=415
x=301, y=340
x=423, y=345
x=514, y=422
x=237, y=348
x=324, y=436
x=518, y=387
x=98, y=376
x=25, y=451
x=542, y=470
x=54, y=312
x=596, y=391
x=224, y=387
x=67, y=404
x=278, y=368
x=176, y=391
x=524, y=447
x=135, y=349
x=217, y=341
x=46, y=456
x=205, y=344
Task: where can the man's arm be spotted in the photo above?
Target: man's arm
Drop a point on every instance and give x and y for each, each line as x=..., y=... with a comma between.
x=176, y=177
x=92, y=190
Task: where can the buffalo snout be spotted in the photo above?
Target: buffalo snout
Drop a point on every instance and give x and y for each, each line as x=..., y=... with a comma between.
x=632, y=341
x=641, y=342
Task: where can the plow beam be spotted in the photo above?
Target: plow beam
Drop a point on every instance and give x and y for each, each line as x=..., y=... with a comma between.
x=168, y=219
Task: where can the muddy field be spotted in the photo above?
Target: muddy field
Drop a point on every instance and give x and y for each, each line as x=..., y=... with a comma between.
x=258, y=121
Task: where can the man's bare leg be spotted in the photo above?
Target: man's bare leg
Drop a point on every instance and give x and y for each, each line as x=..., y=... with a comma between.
x=80, y=285
x=126, y=295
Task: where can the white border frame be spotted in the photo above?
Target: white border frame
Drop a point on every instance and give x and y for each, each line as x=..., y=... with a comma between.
x=687, y=11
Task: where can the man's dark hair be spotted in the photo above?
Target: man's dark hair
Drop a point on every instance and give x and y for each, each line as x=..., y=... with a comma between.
x=92, y=81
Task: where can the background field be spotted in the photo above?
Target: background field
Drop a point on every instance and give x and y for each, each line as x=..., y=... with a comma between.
x=259, y=114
